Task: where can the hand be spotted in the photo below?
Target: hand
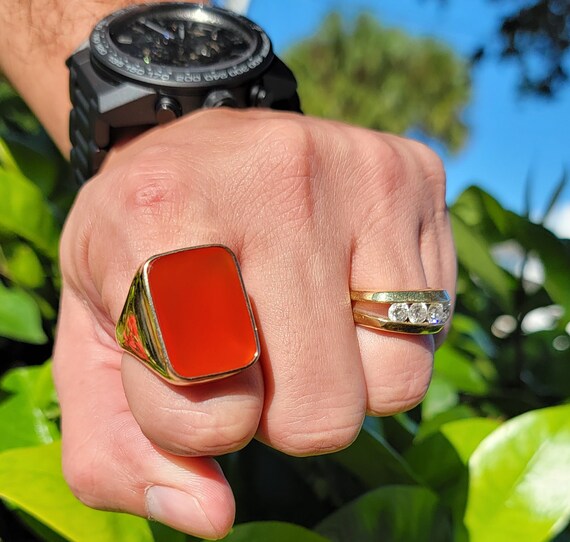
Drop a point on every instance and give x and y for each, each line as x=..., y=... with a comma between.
x=311, y=208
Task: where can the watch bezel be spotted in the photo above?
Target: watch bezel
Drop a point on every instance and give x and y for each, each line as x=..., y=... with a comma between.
x=107, y=54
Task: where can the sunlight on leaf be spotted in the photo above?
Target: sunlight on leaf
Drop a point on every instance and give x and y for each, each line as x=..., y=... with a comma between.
x=519, y=478
x=20, y=317
x=31, y=479
x=27, y=410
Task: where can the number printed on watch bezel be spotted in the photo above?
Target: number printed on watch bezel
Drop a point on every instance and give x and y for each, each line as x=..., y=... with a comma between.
x=109, y=56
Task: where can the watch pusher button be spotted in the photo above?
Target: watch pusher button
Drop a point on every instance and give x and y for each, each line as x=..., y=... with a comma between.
x=167, y=110
x=258, y=96
x=220, y=98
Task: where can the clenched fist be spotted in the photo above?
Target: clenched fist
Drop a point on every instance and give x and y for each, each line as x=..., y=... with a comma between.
x=311, y=208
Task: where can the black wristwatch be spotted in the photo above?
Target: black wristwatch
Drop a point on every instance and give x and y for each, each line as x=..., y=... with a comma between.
x=151, y=63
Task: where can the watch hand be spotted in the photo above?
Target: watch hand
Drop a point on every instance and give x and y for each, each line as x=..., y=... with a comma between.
x=157, y=28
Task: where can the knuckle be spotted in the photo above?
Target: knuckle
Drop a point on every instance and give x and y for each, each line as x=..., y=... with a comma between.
x=383, y=156
x=297, y=442
x=231, y=435
x=433, y=171
x=430, y=160
x=206, y=433
x=379, y=181
x=287, y=163
x=151, y=187
x=406, y=389
x=323, y=430
x=288, y=148
x=381, y=171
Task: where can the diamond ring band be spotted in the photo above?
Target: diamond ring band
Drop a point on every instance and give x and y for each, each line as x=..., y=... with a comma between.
x=404, y=311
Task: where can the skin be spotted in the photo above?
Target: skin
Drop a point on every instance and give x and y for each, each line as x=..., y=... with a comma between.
x=311, y=208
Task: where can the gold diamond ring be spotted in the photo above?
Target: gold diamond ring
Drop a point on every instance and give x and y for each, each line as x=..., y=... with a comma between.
x=417, y=312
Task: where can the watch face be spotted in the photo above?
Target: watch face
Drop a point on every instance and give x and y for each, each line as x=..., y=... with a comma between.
x=180, y=45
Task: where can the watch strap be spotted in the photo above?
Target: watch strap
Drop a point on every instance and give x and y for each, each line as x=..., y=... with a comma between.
x=89, y=135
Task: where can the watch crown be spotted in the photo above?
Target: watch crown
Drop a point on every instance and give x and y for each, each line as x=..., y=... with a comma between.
x=220, y=98
x=167, y=110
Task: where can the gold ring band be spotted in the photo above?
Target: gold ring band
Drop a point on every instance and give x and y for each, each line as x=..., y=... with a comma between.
x=416, y=312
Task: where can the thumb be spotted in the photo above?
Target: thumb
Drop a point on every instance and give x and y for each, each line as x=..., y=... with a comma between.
x=107, y=460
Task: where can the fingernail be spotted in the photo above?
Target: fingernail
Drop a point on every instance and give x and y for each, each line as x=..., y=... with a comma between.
x=179, y=510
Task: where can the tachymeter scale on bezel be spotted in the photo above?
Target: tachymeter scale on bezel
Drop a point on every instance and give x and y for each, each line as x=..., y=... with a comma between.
x=182, y=45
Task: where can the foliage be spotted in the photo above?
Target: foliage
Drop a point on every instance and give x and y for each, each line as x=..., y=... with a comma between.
x=538, y=30
x=15, y=117
x=383, y=79
x=485, y=457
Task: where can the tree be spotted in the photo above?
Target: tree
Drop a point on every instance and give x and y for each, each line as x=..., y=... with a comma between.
x=383, y=79
x=536, y=33
x=539, y=29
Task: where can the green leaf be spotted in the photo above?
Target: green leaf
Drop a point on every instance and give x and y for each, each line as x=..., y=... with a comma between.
x=37, y=164
x=470, y=336
x=555, y=196
x=24, y=267
x=399, y=430
x=44, y=533
x=163, y=533
x=31, y=479
x=394, y=513
x=432, y=425
x=441, y=396
x=466, y=435
x=7, y=161
x=552, y=252
x=371, y=459
x=519, y=478
x=25, y=212
x=274, y=531
x=20, y=317
x=482, y=213
x=26, y=413
x=485, y=219
x=440, y=460
x=14, y=111
x=458, y=371
x=474, y=252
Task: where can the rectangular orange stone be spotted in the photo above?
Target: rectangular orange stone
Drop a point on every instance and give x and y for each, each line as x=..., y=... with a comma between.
x=203, y=312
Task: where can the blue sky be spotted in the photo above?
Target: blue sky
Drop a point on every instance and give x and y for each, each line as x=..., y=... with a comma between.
x=511, y=137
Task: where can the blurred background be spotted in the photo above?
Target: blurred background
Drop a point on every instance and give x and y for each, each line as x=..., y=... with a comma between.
x=486, y=456
x=516, y=104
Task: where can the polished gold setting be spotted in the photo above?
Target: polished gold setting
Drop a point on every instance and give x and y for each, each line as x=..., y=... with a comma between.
x=139, y=330
x=416, y=312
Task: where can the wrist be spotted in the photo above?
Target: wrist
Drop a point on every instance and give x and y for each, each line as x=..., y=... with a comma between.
x=34, y=59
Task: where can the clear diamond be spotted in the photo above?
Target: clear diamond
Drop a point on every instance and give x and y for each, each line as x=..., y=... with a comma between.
x=418, y=313
x=446, y=313
x=398, y=312
x=435, y=313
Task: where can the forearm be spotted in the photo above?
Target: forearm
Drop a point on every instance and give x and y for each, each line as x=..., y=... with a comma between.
x=36, y=37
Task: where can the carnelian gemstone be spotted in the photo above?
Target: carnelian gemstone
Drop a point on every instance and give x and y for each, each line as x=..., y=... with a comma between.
x=202, y=312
